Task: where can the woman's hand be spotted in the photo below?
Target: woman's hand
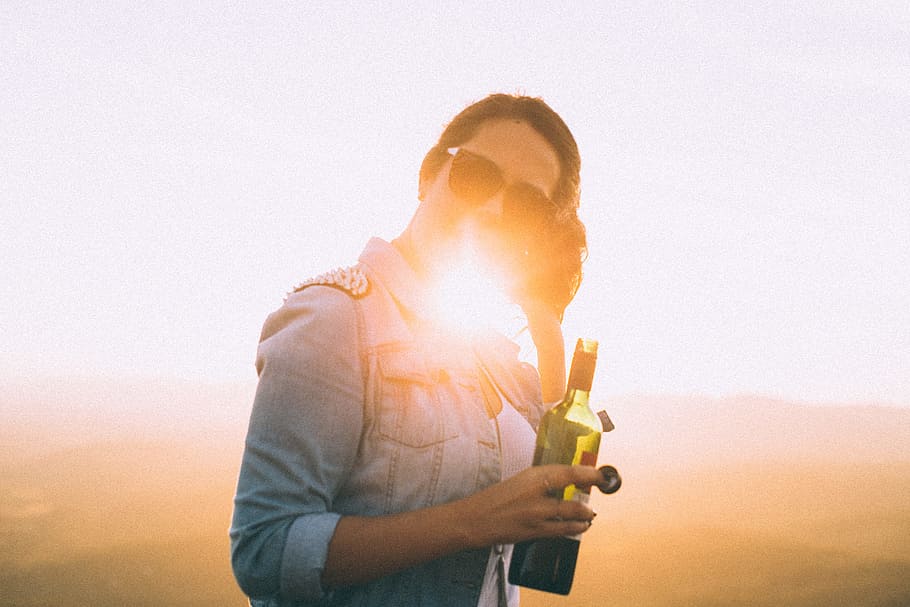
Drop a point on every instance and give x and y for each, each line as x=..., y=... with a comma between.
x=529, y=505
x=526, y=506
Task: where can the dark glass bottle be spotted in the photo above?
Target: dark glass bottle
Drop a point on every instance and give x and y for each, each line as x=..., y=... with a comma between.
x=569, y=433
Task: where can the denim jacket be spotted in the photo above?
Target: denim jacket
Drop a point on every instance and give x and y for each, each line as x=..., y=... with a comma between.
x=364, y=407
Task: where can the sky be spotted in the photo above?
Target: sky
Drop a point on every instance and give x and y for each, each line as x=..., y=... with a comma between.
x=169, y=172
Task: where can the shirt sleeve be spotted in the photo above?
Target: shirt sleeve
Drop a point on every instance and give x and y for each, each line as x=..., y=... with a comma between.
x=301, y=444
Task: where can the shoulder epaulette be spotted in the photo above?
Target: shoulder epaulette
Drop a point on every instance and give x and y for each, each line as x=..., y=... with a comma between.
x=351, y=279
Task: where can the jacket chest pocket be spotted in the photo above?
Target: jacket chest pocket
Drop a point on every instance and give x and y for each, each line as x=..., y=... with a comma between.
x=410, y=402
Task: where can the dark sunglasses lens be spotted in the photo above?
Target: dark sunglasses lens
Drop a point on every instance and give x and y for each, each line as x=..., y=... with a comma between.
x=474, y=178
x=526, y=206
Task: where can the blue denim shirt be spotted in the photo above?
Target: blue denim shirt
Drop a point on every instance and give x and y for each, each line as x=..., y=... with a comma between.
x=364, y=407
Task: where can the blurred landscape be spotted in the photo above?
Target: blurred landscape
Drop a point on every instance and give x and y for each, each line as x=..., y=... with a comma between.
x=119, y=493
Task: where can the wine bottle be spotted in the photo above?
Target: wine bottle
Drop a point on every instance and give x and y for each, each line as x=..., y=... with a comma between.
x=569, y=433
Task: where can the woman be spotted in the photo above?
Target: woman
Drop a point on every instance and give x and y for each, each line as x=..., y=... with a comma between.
x=386, y=461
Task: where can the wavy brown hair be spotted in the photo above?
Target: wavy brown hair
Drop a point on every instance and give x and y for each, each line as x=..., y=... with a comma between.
x=552, y=266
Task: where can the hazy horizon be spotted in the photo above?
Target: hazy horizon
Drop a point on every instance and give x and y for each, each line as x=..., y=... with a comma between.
x=120, y=493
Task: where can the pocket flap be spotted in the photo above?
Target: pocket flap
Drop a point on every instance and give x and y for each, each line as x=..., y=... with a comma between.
x=404, y=365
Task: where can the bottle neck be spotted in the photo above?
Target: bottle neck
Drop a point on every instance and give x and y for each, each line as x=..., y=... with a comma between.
x=582, y=373
x=577, y=396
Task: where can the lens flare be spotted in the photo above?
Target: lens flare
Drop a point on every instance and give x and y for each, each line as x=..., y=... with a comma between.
x=468, y=298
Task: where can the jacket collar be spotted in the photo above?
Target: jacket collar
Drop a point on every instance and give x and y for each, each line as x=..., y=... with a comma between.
x=397, y=277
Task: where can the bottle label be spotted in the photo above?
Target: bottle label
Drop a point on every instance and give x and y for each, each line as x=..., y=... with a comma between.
x=581, y=497
x=573, y=493
x=588, y=458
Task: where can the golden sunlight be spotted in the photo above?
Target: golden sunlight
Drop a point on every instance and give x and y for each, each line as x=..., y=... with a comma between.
x=468, y=298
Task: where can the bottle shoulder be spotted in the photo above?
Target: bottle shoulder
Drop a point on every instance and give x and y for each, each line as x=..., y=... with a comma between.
x=573, y=411
x=582, y=414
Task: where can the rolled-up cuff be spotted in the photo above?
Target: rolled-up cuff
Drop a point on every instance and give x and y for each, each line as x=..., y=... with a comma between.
x=304, y=555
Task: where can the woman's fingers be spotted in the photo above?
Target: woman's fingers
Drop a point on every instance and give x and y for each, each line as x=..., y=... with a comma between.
x=531, y=504
x=570, y=510
x=552, y=527
x=557, y=476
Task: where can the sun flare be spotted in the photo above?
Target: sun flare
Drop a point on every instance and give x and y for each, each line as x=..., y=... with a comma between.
x=468, y=299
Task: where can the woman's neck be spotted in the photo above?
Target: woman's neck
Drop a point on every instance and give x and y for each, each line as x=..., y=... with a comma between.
x=405, y=246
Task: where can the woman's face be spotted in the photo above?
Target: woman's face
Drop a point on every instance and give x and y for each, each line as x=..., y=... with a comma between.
x=518, y=156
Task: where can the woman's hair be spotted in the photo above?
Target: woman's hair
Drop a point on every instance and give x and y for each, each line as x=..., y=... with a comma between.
x=553, y=268
x=532, y=110
x=553, y=273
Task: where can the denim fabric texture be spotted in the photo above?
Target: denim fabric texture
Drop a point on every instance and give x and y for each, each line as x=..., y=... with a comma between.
x=365, y=407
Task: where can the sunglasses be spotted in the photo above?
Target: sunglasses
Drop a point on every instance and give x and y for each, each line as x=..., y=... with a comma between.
x=475, y=180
